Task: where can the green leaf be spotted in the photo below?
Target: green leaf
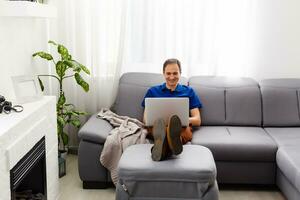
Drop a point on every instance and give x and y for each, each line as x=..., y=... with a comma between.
x=65, y=138
x=76, y=123
x=76, y=67
x=60, y=68
x=82, y=82
x=84, y=68
x=63, y=51
x=71, y=113
x=41, y=84
x=59, y=132
x=52, y=42
x=74, y=113
x=62, y=99
x=43, y=55
x=61, y=122
x=66, y=110
x=80, y=112
x=69, y=104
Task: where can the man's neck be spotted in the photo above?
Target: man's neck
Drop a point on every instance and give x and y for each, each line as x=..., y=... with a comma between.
x=171, y=87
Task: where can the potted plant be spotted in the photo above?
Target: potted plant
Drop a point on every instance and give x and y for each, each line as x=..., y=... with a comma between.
x=66, y=68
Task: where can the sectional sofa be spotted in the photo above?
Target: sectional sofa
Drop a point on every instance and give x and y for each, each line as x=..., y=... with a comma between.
x=252, y=129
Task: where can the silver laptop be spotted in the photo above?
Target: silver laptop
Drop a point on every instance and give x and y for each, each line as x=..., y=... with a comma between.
x=156, y=108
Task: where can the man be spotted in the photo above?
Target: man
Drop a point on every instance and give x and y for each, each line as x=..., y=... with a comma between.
x=170, y=138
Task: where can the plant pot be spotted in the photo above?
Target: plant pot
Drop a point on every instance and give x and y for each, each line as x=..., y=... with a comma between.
x=62, y=154
x=61, y=167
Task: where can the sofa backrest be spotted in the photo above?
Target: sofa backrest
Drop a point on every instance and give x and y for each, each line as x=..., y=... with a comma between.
x=132, y=89
x=281, y=100
x=228, y=100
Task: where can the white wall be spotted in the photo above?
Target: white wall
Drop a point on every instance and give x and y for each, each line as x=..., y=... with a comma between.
x=19, y=39
x=277, y=49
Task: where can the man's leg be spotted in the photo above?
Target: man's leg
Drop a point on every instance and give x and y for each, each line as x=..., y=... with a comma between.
x=160, y=147
x=186, y=134
x=173, y=134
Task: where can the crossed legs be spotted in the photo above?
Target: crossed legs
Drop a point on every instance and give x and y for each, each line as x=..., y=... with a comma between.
x=168, y=139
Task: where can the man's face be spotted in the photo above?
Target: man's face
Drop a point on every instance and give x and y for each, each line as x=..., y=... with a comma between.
x=172, y=75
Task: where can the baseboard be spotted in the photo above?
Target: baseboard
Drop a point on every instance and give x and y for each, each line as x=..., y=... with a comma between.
x=73, y=150
x=96, y=185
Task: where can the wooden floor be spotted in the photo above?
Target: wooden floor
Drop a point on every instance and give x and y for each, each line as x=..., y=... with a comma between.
x=71, y=189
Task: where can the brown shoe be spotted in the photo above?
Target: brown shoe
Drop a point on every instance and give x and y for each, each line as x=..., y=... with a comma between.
x=173, y=135
x=159, y=149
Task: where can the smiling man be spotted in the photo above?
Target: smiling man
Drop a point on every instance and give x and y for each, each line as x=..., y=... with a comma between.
x=169, y=138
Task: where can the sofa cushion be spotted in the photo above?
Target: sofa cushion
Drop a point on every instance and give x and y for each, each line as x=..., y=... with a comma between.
x=286, y=136
x=228, y=101
x=95, y=130
x=236, y=143
x=288, y=161
x=132, y=89
x=280, y=99
x=213, y=106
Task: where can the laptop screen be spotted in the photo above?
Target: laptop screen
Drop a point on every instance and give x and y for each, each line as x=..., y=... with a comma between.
x=156, y=108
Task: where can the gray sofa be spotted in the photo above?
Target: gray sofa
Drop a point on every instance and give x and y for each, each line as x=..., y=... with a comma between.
x=281, y=120
x=252, y=129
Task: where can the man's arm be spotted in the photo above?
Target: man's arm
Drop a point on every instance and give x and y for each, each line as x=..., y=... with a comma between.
x=195, y=118
x=144, y=117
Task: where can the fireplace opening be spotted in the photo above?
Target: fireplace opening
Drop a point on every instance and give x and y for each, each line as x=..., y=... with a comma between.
x=28, y=176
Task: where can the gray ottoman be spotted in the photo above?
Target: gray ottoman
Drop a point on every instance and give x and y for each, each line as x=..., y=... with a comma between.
x=190, y=175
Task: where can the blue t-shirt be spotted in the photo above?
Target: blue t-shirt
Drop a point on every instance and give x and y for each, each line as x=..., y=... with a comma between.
x=180, y=91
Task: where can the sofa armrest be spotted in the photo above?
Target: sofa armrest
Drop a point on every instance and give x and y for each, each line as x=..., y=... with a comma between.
x=95, y=130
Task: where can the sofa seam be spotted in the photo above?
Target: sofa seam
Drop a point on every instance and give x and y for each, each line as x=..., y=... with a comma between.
x=225, y=108
x=289, y=88
x=207, y=86
x=261, y=106
x=297, y=96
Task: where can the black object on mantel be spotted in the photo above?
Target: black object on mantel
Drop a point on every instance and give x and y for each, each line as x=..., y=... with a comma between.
x=7, y=107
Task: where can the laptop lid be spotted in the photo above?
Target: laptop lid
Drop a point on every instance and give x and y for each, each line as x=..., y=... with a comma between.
x=164, y=108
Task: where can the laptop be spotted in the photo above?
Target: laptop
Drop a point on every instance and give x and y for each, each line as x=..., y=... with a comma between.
x=156, y=108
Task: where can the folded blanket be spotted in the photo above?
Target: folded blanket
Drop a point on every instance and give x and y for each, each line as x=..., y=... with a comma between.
x=127, y=131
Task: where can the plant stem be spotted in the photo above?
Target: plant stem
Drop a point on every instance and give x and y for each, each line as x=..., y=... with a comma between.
x=68, y=76
x=60, y=111
x=49, y=75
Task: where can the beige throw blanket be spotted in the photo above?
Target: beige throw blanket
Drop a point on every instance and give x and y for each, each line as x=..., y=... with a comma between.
x=127, y=131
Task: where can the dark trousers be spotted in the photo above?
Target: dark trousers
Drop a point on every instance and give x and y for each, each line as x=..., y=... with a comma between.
x=186, y=134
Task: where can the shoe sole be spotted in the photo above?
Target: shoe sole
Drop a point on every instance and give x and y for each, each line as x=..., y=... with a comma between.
x=159, y=136
x=173, y=135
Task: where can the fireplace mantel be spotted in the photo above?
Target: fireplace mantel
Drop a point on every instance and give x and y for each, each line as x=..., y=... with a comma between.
x=19, y=132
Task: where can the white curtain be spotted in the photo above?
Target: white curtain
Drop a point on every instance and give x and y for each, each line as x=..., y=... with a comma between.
x=252, y=38
x=210, y=37
x=92, y=30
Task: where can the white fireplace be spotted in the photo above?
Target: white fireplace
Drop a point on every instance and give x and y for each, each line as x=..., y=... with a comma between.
x=19, y=132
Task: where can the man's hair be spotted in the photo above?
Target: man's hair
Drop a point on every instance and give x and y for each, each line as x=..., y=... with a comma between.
x=172, y=61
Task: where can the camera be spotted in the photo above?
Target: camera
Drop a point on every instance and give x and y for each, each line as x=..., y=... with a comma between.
x=5, y=105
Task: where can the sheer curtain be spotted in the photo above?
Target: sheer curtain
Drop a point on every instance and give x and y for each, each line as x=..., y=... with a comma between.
x=251, y=38
x=210, y=37
x=92, y=30
x=258, y=39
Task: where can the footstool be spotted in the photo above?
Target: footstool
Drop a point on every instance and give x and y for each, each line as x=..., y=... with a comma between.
x=190, y=175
